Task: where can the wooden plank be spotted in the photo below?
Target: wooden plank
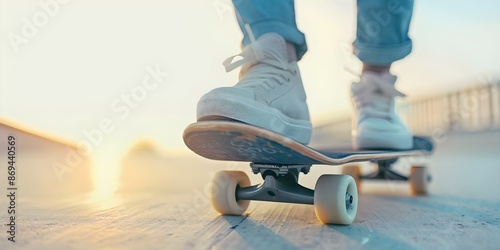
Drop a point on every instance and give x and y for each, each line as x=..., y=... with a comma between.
x=385, y=221
x=174, y=212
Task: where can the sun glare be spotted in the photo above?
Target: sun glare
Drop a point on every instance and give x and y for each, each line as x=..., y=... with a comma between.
x=105, y=175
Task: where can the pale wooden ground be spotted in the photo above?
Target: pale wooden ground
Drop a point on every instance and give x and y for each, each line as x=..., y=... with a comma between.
x=164, y=206
x=384, y=221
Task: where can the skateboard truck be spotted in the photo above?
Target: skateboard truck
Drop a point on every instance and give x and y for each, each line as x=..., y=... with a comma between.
x=279, y=170
x=280, y=185
x=384, y=172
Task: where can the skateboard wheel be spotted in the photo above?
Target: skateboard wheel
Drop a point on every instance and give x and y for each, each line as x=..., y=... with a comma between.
x=223, y=192
x=355, y=172
x=418, y=180
x=336, y=199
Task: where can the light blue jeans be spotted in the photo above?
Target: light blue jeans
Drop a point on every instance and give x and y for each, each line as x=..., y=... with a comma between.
x=382, y=26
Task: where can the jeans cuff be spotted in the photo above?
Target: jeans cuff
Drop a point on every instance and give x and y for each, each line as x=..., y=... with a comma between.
x=381, y=54
x=289, y=32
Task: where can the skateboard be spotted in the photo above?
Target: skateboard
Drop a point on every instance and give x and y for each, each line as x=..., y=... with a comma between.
x=280, y=160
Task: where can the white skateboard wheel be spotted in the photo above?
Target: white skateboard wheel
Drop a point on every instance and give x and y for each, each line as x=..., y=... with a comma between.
x=223, y=192
x=418, y=180
x=355, y=172
x=336, y=199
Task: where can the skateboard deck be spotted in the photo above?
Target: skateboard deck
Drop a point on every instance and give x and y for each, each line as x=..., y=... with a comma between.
x=280, y=160
x=236, y=141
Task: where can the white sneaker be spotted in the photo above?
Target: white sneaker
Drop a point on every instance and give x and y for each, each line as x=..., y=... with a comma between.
x=378, y=126
x=269, y=93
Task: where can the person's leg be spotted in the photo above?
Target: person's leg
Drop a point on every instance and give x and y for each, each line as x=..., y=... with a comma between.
x=381, y=39
x=276, y=16
x=382, y=32
x=269, y=93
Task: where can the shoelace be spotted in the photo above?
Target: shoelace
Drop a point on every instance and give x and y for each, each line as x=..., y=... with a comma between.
x=254, y=55
x=375, y=99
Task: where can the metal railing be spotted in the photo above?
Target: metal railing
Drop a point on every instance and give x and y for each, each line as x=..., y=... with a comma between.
x=472, y=109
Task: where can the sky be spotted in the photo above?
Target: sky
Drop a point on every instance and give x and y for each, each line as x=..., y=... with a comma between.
x=70, y=76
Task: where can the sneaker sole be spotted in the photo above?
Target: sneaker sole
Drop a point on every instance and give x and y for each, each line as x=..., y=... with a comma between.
x=256, y=114
x=382, y=141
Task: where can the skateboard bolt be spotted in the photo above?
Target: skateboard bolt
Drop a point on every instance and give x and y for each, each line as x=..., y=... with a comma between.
x=348, y=199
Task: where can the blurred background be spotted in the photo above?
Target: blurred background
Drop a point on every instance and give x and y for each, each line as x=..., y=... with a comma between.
x=98, y=93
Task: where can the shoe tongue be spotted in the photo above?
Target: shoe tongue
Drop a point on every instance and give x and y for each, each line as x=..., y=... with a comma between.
x=382, y=83
x=384, y=77
x=269, y=49
x=273, y=45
